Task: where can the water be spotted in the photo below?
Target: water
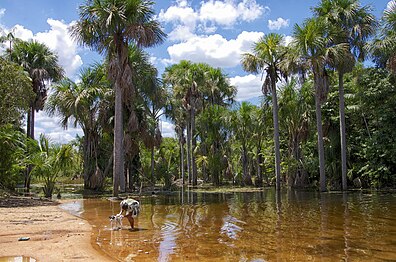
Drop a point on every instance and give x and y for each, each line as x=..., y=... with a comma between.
x=17, y=259
x=261, y=226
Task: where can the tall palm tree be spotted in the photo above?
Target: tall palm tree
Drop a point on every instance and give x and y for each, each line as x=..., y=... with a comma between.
x=266, y=58
x=42, y=65
x=109, y=26
x=356, y=24
x=313, y=42
x=240, y=122
x=180, y=77
x=84, y=102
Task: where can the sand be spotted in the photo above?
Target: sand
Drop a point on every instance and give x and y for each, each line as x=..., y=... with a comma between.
x=55, y=235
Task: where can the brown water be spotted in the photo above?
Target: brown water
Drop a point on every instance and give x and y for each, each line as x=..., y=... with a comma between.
x=17, y=259
x=263, y=226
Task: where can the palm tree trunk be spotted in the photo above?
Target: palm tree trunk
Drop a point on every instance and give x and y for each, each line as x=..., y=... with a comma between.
x=152, y=166
x=31, y=123
x=342, y=130
x=193, y=145
x=118, y=167
x=276, y=133
x=189, y=151
x=320, y=139
x=247, y=179
x=182, y=161
x=259, y=181
x=30, y=133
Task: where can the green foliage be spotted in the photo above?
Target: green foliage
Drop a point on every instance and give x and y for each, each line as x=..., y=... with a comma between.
x=374, y=135
x=12, y=149
x=50, y=161
x=15, y=93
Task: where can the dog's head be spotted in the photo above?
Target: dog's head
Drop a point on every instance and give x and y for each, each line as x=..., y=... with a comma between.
x=112, y=218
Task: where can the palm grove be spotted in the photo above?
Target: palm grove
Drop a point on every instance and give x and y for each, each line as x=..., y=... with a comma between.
x=325, y=120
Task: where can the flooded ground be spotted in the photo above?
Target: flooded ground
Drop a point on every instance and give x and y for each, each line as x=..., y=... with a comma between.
x=261, y=226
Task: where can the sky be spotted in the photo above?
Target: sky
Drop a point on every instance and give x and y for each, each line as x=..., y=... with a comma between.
x=216, y=32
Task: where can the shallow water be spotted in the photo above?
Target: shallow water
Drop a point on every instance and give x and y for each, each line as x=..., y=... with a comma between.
x=17, y=259
x=263, y=226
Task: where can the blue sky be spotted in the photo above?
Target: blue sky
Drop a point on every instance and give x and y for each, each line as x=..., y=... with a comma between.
x=214, y=31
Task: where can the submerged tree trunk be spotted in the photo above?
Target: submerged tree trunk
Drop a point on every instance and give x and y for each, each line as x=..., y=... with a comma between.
x=342, y=131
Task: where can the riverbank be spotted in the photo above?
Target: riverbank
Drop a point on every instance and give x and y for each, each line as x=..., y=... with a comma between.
x=54, y=234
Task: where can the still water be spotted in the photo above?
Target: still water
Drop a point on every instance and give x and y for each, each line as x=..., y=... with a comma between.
x=261, y=226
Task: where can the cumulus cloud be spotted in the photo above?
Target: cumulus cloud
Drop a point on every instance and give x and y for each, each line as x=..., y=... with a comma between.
x=51, y=128
x=214, y=49
x=208, y=16
x=181, y=33
x=2, y=12
x=248, y=86
x=278, y=23
x=57, y=39
x=287, y=40
x=167, y=129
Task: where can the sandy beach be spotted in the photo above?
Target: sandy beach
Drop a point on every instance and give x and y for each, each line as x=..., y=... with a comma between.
x=55, y=235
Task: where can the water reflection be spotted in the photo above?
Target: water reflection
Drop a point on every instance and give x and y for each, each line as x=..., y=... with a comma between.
x=263, y=226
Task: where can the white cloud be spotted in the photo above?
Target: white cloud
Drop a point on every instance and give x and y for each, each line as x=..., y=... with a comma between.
x=227, y=13
x=50, y=126
x=2, y=12
x=214, y=49
x=278, y=23
x=208, y=16
x=250, y=10
x=181, y=33
x=287, y=40
x=57, y=39
x=248, y=86
x=22, y=33
x=167, y=129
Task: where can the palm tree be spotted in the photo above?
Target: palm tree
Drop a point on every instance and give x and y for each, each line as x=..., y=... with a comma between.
x=109, y=26
x=42, y=65
x=356, y=24
x=267, y=56
x=383, y=48
x=84, y=102
x=312, y=40
x=180, y=77
x=240, y=121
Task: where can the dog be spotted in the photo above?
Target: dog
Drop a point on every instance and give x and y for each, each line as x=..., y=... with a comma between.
x=116, y=221
x=131, y=208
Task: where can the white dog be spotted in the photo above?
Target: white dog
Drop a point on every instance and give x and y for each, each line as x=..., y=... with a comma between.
x=116, y=221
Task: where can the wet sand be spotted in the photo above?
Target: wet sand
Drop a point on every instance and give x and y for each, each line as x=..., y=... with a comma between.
x=55, y=235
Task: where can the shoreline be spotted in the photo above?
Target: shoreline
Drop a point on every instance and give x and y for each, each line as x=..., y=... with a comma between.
x=55, y=234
